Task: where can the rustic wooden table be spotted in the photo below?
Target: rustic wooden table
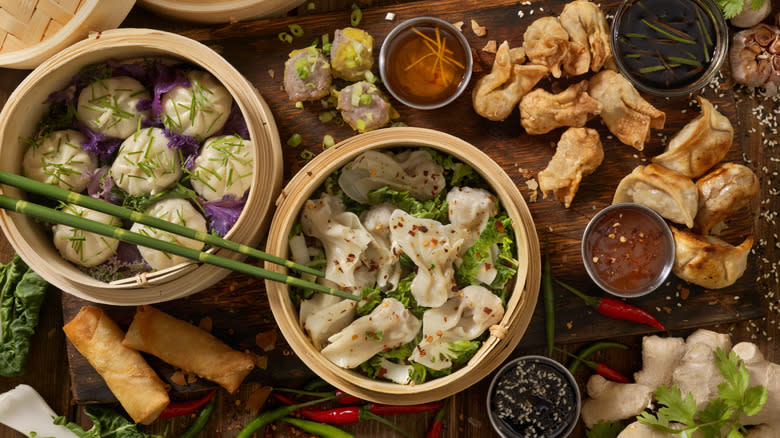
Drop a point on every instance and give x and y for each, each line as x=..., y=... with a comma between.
x=755, y=121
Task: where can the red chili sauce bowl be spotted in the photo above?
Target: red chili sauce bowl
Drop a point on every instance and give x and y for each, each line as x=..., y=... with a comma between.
x=628, y=250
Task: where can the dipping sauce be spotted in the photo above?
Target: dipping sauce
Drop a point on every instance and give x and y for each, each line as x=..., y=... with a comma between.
x=533, y=397
x=626, y=249
x=666, y=43
x=425, y=63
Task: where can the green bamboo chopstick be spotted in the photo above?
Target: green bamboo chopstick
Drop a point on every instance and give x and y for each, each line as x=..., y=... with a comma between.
x=59, y=217
x=48, y=190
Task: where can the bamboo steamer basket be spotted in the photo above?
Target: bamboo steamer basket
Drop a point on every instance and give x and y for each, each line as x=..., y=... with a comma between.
x=33, y=30
x=503, y=336
x=26, y=106
x=216, y=11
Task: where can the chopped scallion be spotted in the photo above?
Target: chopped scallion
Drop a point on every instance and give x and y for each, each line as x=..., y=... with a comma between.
x=299, y=104
x=307, y=154
x=355, y=16
x=365, y=99
x=295, y=140
x=311, y=7
x=328, y=141
x=285, y=37
x=296, y=30
x=326, y=116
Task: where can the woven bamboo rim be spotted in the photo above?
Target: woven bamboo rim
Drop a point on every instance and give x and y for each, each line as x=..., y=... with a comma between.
x=216, y=11
x=503, y=337
x=25, y=107
x=32, y=31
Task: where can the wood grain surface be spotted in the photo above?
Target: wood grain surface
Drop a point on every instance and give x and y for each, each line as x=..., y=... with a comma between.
x=239, y=309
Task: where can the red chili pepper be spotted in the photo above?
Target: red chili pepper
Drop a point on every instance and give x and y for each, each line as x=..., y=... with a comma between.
x=380, y=409
x=615, y=309
x=601, y=369
x=346, y=399
x=177, y=409
x=284, y=399
x=436, y=424
x=348, y=415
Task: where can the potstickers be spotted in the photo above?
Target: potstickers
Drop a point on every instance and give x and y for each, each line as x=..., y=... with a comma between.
x=668, y=193
x=708, y=261
x=728, y=188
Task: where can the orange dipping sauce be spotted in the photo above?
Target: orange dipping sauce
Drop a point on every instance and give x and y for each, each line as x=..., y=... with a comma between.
x=627, y=249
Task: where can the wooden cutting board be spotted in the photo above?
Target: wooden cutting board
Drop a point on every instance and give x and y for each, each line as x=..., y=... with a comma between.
x=238, y=306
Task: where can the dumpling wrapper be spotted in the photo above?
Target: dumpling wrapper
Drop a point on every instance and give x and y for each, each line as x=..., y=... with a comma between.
x=587, y=27
x=541, y=111
x=110, y=106
x=624, y=111
x=388, y=326
x=700, y=144
x=185, y=346
x=360, y=116
x=200, y=110
x=323, y=317
x=132, y=381
x=415, y=171
x=82, y=247
x=178, y=211
x=708, y=261
x=58, y=159
x=546, y=43
x=469, y=211
x=307, y=75
x=496, y=94
x=668, y=193
x=351, y=54
x=722, y=192
x=224, y=166
x=145, y=165
x=380, y=256
x=579, y=153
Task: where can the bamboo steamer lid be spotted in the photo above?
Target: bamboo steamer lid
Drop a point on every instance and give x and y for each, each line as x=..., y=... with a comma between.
x=26, y=106
x=31, y=31
x=220, y=11
x=503, y=336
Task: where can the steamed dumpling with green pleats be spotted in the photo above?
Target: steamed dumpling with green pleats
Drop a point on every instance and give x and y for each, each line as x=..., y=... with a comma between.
x=145, y=164
x=58, y=159
x=178, y=211
x=225, y=166
x=82, y=247
x=110, y=106
x=200, y=110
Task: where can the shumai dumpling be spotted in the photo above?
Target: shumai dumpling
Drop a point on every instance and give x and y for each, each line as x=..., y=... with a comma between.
x=587, y=26
x=624, y=111
x=579, y=153
x=726, y=189
x=351, y=55
x=364, y=107
x=708, y=261
x=546, y=43
x=670, y=194
x=700, y=144
x=496, y=94
x=307, y=75
x=541, y=111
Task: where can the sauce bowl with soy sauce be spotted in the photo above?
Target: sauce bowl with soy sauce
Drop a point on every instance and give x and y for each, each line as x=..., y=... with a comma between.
x=669, y=47
x=425, y=63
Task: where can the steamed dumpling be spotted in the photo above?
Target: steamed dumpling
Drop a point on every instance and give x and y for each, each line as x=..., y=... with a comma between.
x=388, y=326
x=199, y=110
x=469, y=211
x=324, y=315
x=462, y=318
x=109, y=106
x=224, y=167
x=670, y=194
x=178, y=211
x=726, y=189
x=433, y=247
x=58, y=159
x=145, y=164
x=351, y=54
x=700, y=144
x=380, y=256
x=82, y=247
x=307, y=75
x=708, y=261
x=587, y=27
x=415, y=171
x=546, y=43
x=364, y=107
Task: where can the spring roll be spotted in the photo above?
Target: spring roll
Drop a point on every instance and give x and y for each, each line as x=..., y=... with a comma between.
x=138, y=389
x=187, y=347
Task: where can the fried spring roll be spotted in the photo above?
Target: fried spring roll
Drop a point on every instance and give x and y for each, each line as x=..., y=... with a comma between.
x=130, y=378
x=187, y=347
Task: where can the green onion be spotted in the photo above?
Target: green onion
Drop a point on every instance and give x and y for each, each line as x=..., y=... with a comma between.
x=328, y=141
x=285, y=37
x=326, y=116
x=370, y=78
x=634, y=55
x=315, y=43
x=311, y=7
x=307, y=154
x=299, y=104
x=296, y=30
x=361, y=125
x=659, y=67
x=636, y=35
x=668, y=34
x=295, y=140
x=685, y=61
x=355, y=16
x=325, y=39
x=365, y=99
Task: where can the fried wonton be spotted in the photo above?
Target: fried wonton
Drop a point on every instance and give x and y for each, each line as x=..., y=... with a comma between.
x=708, y=261
x=587, y=27
x=670, y=194
x=726, y=189
x=546, y=43
x=496, y=94
x=700, y=144
x=579, y=153
x=541, y=112
x=624, y=111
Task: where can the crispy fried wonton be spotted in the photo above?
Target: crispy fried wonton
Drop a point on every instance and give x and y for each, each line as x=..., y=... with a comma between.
x=587, y=27
x=546, y=43
x=541, y=111
x=579, y=153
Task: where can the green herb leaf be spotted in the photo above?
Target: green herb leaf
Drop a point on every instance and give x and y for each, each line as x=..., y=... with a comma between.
x=462, y=351
x=605, y=429
x=106, y=423
x=731, y=8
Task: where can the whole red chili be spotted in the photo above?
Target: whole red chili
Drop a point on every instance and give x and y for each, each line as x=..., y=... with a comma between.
x=347, y=399
x=601, y=369
x=436, y=425
x=177, y=409
x=615, y=309
x=348, y=415
x=380, y=409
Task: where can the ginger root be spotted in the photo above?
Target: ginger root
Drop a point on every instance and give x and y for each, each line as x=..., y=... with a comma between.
x=611, y=401
x=660, y=357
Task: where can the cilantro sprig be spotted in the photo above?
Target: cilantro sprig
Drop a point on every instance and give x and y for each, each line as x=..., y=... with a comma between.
x=605, y=429
x=732, y=8
x=735, y=397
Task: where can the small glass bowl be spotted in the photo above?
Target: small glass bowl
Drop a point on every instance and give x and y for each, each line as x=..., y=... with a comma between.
x=553, y=369
x=384, y=60
x=667, y=242
x=721, y=50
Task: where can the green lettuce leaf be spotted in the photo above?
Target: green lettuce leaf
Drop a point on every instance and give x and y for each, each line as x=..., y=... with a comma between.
x=497, y=232
x=106, y=423
x=435, y=209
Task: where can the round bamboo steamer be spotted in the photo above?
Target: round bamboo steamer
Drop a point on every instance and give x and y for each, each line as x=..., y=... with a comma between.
x=216, y=11
x=31, y=31
x=503, y=336
x=26, y=106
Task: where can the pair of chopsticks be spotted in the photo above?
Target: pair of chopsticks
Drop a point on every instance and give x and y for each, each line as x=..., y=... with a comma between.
x=56, y=216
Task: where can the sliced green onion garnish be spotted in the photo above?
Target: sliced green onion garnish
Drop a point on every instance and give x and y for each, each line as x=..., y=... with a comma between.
x=326, y=116
x=311, y=7
x=296, y=30
x=307, y=154
x=285, y=37
x=328, y=141
x=326, y=48
x=299, y=104
x=361, y=125
x=355, y=16
x=370, y=78
x=365, y=99
x=295, y=140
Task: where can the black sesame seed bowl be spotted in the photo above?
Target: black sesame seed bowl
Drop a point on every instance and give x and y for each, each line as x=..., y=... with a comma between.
x=533, y=396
